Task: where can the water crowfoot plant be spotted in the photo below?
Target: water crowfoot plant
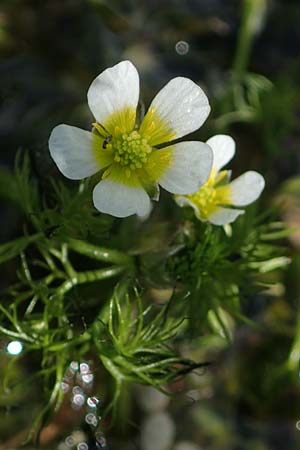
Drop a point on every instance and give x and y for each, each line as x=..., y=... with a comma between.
x=129, y=155
x=89, y=287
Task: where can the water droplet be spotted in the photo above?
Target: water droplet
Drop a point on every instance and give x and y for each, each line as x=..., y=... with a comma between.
x=91, y=419
x=298, y=425
x=92, y=402
x=78, y=399
x=84, y=368
x=88, y=378
x=77, y=390
x=74, y=366
x=64, y=387
x=182, y=47
x=82, y=446
x=69, y=441
x=100, y=439
x=14, y=348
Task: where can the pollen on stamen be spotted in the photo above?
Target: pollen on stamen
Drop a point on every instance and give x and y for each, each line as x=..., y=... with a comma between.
x=210, y=196
x=131, y=151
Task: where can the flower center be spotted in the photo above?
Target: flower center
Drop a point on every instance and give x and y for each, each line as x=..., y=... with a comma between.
x=211, y=195
x=131, y=150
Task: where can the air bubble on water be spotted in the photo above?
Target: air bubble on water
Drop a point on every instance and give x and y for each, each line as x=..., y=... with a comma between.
x=77, y=390
x=87, y=378
x=82, y=446
x=78, y=399
x=65, y=386
x=91, y=419
x=84, y=368
x=14, y=348
x=92, y=402
x=100, y=439
x=182, y=47
x=69, y=441
x=74, y=366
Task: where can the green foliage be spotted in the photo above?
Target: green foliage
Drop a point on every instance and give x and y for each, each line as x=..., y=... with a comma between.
x=77, y=285
x=242, y=99
x=132, y=342
x=65, y=305
x=220, y=268
x=14, y=248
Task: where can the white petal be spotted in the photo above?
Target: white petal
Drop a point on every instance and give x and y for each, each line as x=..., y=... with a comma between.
x=113, y=90
x=224, y=216
x=120, y=200
x=72, y=151
x=246, y=188
x=182, y=105
x=223, y=147
x=190, y=167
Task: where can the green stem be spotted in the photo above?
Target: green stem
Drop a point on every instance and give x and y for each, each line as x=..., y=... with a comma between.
x=63, y=345
x=293, y=361
x=89, y=276
x=148, y=367
x=99, y=253
x=12, y=334
x=252, y=14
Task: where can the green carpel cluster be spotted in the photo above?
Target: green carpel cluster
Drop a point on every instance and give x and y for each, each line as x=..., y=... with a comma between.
x=131, y=150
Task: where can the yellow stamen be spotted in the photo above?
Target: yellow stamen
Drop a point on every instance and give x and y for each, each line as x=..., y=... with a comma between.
x=120, y=122
x=101, y=130
x=129, y=153
x=155, y=129
x=212, y=195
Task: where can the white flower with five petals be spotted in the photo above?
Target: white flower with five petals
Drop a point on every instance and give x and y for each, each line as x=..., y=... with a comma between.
x=131, y=157
x=213, y=201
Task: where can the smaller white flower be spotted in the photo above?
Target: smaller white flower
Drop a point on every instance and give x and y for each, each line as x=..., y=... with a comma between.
x=128, y=155
x=213, y=200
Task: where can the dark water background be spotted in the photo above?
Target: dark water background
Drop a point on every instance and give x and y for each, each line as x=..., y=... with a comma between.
x=50, y=52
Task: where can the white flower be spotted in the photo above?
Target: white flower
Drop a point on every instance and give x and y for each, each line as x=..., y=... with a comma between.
x=126, y=155
x=211, y=202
